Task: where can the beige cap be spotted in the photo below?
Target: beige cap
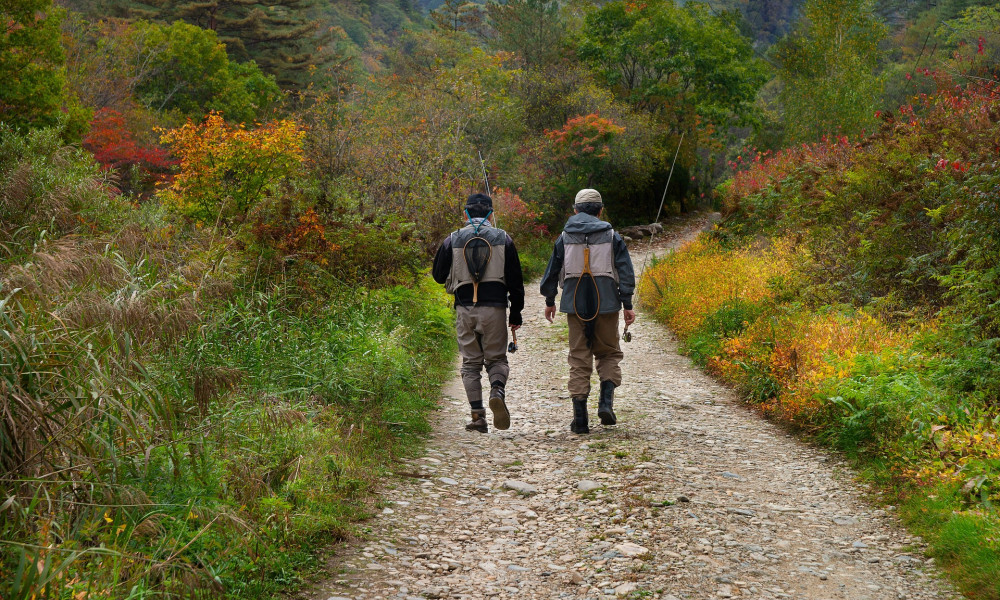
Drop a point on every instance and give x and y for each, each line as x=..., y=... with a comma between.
x=588, y=196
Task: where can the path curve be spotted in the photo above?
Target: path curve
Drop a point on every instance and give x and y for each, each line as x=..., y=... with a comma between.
x=696, y=497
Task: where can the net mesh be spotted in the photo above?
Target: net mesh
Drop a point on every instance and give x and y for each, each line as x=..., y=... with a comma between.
x=586, y=298
x=477, y=252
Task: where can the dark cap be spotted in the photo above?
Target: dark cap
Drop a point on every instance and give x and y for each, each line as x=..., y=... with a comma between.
x=479, y=200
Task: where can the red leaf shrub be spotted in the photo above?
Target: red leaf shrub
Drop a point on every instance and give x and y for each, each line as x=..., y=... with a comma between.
x=115, y=147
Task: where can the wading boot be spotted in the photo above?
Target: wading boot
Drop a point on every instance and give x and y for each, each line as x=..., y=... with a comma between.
x=606, y=405
x=501, y=416
x=579, y=423
x=478, y=421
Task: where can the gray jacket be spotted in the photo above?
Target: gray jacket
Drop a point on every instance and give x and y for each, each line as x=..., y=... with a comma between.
x=614, y=294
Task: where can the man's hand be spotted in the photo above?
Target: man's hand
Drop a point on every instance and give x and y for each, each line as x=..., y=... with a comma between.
x=550, y=313
x=515, y=327
x=629, y=317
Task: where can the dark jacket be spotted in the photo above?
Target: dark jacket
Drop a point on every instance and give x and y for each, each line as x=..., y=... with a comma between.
x=614, y=295
x=491, y=293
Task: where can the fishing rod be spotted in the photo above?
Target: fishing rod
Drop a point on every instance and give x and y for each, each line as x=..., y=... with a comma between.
x=489, y=192
x=626, y=336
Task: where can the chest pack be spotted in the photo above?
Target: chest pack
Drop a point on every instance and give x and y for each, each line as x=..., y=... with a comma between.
x=591, y=253
x=476, y=257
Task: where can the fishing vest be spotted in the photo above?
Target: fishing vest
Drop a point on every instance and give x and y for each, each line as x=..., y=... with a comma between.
x=602, y=255
x=460, y=274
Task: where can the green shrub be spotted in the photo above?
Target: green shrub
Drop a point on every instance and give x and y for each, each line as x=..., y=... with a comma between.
x=731, y=319
x=48, y=189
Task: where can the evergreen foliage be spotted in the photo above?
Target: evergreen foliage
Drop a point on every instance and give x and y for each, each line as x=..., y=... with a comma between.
x=532, y=28
x=190, y=72
x=281, y=36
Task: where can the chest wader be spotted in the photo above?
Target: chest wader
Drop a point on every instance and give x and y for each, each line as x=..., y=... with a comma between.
x=587, y=297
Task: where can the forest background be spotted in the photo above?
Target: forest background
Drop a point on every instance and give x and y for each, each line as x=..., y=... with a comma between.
x=216, y=217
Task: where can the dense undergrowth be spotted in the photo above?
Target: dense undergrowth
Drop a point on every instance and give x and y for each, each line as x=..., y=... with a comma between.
x=187, y=411
x=852, y=292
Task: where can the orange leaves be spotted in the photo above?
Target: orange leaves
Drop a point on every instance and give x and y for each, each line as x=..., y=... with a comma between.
x=587, y=135
x=303, y=236
x=797, y=350
x=226, y=169
x=808, y=349
x=693, y=283
x=309, y=237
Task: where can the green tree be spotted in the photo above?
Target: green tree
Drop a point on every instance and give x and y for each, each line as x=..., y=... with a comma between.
x=32, y=65
x=829, y=69
x=667, y=59
x=532, y=28
x=975, y=37
x=192, y=73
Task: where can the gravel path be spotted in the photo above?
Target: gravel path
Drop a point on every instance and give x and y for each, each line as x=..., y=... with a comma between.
x=690, y=496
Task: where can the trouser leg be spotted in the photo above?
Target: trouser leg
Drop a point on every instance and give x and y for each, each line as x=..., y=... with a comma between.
x=493, y=333
x=606, y=348
x=473, y=357
x=581, y=360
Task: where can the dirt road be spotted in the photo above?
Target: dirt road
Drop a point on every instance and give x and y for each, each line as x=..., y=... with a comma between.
x=690, y=496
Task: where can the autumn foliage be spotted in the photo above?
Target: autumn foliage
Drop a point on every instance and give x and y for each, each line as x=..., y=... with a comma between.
x=226, y=169
x=583, y=143
x=116, y=148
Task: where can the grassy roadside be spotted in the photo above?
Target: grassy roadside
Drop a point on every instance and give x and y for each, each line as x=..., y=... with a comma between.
x=185, y=413
x=236, y=454
x=902, y=400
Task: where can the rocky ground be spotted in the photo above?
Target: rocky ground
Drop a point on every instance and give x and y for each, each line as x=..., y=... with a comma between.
x=690, y=496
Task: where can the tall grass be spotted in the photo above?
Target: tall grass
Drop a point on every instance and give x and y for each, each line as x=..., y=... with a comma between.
x=173, y=421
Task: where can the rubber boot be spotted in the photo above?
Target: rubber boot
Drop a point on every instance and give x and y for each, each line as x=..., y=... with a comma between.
x=579, y=423
x=478, y=421
x=498, y=404
x=606, y=405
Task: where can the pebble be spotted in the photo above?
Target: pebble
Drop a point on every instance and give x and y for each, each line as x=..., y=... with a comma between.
x=631, y=550
x=761, y=509
x=520, y=487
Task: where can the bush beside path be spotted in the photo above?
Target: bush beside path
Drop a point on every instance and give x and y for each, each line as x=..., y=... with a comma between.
x=691, y=496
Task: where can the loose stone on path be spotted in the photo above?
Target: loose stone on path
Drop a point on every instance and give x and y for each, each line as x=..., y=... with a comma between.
x=520, y=487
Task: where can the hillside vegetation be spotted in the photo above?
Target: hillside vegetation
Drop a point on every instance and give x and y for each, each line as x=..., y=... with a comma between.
x=852, y=292
x=185, y=411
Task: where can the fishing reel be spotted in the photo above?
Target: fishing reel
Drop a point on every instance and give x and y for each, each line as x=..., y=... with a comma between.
x=627, y=335
x=512, y=346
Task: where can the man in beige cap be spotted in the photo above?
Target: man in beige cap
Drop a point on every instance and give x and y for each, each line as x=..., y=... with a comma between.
x=591, y=264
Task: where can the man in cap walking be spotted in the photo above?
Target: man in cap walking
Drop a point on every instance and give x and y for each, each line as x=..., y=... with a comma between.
x=480, y=266
x=591, y=264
